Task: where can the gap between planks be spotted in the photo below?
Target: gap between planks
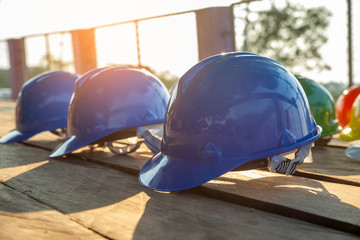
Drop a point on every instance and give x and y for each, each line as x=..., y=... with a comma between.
x=299, y=173
x=57, y=209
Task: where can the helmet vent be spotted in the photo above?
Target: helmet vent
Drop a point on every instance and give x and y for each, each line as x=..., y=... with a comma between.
x=210, y=153
x=286, y=138
x=149, y=116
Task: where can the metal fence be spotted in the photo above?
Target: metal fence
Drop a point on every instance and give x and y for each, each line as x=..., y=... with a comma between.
x=160, y=42
x=157, y=42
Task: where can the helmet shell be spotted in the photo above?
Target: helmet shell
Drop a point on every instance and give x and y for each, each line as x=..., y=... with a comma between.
x=110, y=100
x=351, y=132
x=42, y=105
x=322, y=106
x=228, y=110
x=344, y=104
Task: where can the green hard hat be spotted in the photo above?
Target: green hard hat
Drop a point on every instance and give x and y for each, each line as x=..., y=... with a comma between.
x=322, y=106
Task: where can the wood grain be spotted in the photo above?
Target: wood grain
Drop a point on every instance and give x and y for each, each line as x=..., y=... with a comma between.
x=332, y=162
x=22, y=217
x=113, y=204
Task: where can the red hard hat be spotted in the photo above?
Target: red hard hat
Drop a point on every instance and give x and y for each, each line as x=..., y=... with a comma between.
x=344, y=104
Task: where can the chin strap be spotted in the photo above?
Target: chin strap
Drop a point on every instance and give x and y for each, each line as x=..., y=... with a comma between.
x=150, y=135
x=281, y=164
x=123, y=149
x=61, y=132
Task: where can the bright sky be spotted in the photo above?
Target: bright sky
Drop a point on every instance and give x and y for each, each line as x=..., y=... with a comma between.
x=23, y=17
x=166, y=43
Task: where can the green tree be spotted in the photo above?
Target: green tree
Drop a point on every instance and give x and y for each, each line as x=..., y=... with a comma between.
x=292, y=35
x=34, y=71
x=335, y=88
x=48, y=63
x=52, y=63
x=167, y=78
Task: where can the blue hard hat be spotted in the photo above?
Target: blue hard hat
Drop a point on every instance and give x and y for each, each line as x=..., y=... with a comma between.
x=110, y=104
x=228, y=110
x=42, y=105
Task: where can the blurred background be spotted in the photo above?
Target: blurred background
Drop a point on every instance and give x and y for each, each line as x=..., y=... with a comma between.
x=317, y=39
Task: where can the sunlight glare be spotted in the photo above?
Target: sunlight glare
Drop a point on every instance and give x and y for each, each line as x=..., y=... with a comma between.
x=311, y=189
x=18, y=170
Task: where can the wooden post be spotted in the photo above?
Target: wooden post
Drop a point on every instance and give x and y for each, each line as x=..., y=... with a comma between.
x=18, y=70
x=84, y=50
x=215, y=30
x=138, y=42
x=350, y=49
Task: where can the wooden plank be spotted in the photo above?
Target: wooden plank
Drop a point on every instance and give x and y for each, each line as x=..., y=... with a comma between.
x=7, y=116
x=116, y=206
x=339, y=204
x=332, y=162
x=337, y=142
x=328, y=200
x=24, y=218
x=333, y=201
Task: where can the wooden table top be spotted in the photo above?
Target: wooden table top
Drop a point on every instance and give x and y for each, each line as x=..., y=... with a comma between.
x=94, y=194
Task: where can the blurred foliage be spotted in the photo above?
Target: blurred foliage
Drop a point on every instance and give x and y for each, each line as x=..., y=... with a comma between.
x=167, y=78
x=48, y=61
x=292, y=35
x=5, y=75
x=4, y=78
x=33, y=71
x=335, y=88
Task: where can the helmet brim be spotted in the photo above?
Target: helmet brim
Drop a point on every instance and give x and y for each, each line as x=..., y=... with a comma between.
x=70, y=144
x=330, y=129
x=17, y=136
x=76, y=142
x=348, y=134
x=164, y=173
x=353, y=151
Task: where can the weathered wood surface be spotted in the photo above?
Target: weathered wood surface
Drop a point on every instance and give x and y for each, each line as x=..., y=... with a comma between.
x=322, y=202
x=337, y=142
x=7, y=116
x=22, y=217
x=114, y=205
x=332, y=162
x=339, y=202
